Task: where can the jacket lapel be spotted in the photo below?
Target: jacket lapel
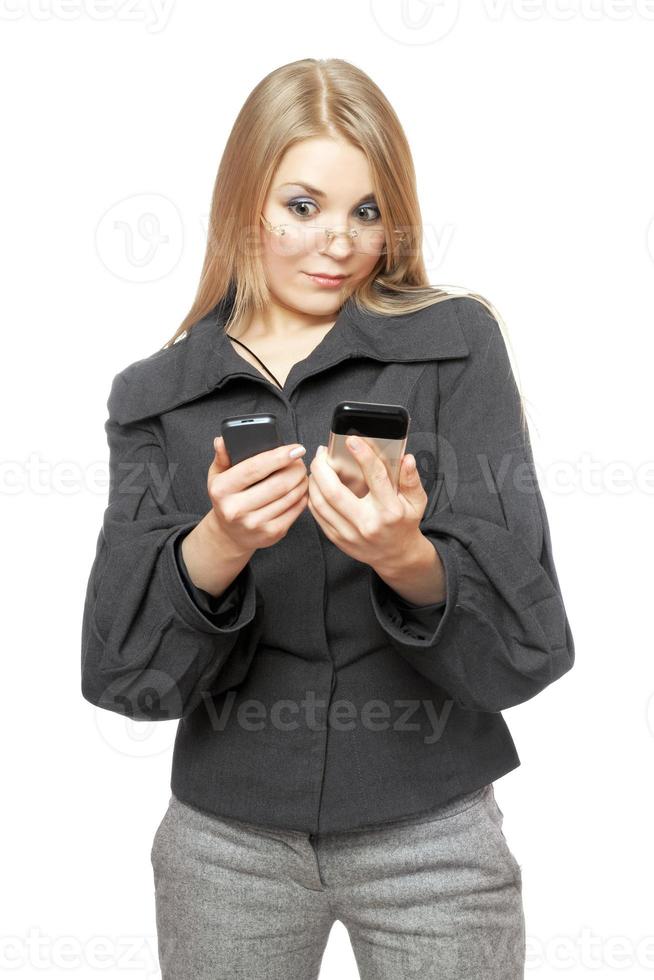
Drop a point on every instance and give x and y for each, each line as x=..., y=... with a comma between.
x=205, y=359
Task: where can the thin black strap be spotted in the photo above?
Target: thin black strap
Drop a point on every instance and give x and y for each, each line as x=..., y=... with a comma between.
x=258, y=358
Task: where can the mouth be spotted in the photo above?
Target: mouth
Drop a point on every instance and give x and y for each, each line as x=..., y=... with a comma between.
x=325, y=279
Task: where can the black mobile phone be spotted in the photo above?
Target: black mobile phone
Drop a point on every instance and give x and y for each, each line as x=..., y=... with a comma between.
x=384, y=427
x=247, y=435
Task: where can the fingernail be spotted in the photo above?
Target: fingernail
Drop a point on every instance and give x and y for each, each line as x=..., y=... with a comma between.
x=321, y=450
x=297, y=451
x=354, y=443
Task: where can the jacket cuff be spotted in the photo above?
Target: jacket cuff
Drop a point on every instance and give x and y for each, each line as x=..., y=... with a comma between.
x=407, y=623
x=226, y=613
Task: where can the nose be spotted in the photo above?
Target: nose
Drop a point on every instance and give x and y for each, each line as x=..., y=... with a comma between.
x=339, y=245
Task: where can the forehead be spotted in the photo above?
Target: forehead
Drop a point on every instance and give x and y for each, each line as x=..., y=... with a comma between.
x=333, y=167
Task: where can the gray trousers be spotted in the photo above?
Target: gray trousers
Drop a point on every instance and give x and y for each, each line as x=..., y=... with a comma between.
x=438, y=896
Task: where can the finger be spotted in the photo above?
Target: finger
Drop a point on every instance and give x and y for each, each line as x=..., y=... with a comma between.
x=324, y=525
x=254, y=469
x=227, y=480
x=335, y=493
x=220, y=463
x=221, y=460
x=374, y=471
x=325, y=514
x=410, y=484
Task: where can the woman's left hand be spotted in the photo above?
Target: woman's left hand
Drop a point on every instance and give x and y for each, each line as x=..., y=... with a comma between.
x=378, y=529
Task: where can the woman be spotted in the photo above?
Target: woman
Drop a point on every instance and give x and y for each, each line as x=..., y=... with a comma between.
x=338, y=663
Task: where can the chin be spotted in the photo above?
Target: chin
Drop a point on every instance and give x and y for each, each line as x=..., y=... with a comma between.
x=321, y=304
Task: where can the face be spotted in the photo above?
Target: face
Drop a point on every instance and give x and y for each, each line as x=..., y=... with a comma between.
x=320, y=183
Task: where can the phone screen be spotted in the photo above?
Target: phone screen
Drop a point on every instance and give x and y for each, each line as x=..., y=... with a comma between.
x=247, y=435
x=384, y=427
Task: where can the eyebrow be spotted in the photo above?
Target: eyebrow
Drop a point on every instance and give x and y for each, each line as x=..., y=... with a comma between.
x=317, y=193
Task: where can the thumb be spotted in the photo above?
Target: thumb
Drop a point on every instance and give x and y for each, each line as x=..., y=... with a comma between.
x=409, y=477
x=221, y=460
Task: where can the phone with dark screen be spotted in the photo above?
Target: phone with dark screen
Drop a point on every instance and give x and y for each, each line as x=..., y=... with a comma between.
x=247, y=435
x=384, y=427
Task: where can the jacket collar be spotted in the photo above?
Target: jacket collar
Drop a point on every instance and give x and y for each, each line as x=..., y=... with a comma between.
x=205, y=359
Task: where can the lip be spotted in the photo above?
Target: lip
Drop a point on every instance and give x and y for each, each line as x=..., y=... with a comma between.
x=325, y=280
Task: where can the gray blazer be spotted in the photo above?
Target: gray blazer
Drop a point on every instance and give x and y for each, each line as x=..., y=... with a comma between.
x=310, y=695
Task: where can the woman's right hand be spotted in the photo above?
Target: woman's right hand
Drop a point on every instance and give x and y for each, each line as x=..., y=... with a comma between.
x=255, y=501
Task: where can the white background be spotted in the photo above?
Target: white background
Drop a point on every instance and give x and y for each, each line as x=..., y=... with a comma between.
x=530, y=126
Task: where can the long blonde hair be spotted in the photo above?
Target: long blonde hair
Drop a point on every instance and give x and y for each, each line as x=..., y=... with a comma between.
x=304, y=99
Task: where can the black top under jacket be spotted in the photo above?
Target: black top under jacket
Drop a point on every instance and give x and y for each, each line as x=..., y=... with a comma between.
x=310, y=695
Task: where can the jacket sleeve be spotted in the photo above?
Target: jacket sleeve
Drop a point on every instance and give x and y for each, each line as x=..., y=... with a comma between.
x=215, y=607
x=502, y=634
x=153, y=645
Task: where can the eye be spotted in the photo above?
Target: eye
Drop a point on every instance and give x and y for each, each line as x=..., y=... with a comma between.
x=369, y=207
x=301, y=204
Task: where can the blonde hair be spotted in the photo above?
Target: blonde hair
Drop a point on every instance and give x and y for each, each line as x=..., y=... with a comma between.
x=301, y=100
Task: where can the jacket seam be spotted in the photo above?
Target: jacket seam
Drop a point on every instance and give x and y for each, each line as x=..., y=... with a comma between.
x=183, y=504
x=462, y=377
x=410, y=395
